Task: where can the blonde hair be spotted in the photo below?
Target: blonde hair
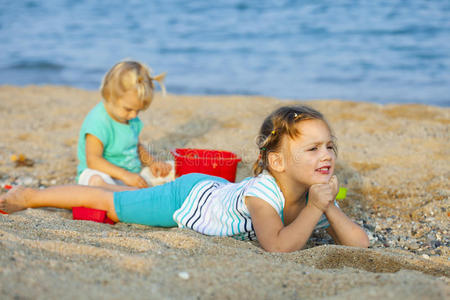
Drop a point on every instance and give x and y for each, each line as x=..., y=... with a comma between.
x=128, y=75
x=279, y=123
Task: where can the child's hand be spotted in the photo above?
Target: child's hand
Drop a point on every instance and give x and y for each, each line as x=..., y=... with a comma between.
x=133, y=179
x=322, y=195
x=334, y=183
x=160, y=169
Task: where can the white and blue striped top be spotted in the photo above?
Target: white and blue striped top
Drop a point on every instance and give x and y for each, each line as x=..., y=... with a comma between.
x=218, y=208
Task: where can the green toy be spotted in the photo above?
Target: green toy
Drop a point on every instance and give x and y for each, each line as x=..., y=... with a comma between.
x=341, y=194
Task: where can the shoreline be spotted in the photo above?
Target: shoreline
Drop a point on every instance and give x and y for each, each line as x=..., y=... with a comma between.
x=393, y=159
x=229, y=95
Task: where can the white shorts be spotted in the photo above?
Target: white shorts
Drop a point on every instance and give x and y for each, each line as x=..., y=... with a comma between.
x=86, y=175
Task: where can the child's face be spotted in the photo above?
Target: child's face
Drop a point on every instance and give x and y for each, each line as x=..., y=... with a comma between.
x=310, y=157
x=125, y=108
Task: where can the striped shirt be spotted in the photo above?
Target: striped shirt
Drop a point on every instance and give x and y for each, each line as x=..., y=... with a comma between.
x=218, y=208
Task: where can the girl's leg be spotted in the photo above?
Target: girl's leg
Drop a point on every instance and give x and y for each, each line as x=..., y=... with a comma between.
x=67, y=196
x=98, y=181
x=96, y=178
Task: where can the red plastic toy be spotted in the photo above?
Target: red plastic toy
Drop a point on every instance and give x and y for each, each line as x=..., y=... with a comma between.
x=91, y=214
x=212, y=162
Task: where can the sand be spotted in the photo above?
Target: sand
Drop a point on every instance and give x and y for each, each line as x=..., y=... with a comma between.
x=392, y=158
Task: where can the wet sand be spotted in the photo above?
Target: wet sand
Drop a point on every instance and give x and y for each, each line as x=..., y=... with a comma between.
x=392, y=158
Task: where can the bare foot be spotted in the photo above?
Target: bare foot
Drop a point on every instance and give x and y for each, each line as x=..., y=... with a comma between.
x=14, y=200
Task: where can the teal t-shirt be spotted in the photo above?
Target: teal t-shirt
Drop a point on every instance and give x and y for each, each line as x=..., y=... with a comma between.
x=119, y=140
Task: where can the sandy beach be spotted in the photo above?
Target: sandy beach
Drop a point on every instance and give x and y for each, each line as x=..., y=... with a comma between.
x=393, y=159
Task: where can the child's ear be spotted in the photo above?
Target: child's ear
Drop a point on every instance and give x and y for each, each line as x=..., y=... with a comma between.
x=276, y=161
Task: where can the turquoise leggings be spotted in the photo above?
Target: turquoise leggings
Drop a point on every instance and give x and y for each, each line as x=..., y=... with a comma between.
x=155, y=206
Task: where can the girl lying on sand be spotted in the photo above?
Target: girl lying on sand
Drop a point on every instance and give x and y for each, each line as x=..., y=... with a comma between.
x=292, y=193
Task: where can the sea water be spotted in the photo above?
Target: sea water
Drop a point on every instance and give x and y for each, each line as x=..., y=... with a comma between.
x=380, y=51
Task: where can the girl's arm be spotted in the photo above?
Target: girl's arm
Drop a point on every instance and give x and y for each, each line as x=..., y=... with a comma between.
x=96, y=161
x=273, y=235
x=343, y=230
x=158, y=168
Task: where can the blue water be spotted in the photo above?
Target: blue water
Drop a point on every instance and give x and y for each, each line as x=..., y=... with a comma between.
x=380, y=51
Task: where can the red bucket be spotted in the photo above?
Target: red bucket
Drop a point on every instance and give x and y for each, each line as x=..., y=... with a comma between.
x=212, y=162
x=91, y=214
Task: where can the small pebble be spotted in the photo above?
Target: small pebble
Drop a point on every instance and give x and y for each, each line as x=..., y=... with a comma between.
x=425, y=256
x=413, y=246
x=184, y=275
x=27, y=181
x=435, y=244
x=369, y=227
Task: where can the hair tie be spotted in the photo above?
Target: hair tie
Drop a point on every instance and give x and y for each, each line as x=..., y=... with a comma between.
x=160, y=79
x=273, y=132
x=262, y=149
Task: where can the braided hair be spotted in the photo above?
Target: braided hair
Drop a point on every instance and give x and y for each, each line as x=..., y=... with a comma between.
x=279, y=123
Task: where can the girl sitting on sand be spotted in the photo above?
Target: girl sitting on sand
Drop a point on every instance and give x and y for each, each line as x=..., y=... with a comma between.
x=109, y=151
x=293, y=192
